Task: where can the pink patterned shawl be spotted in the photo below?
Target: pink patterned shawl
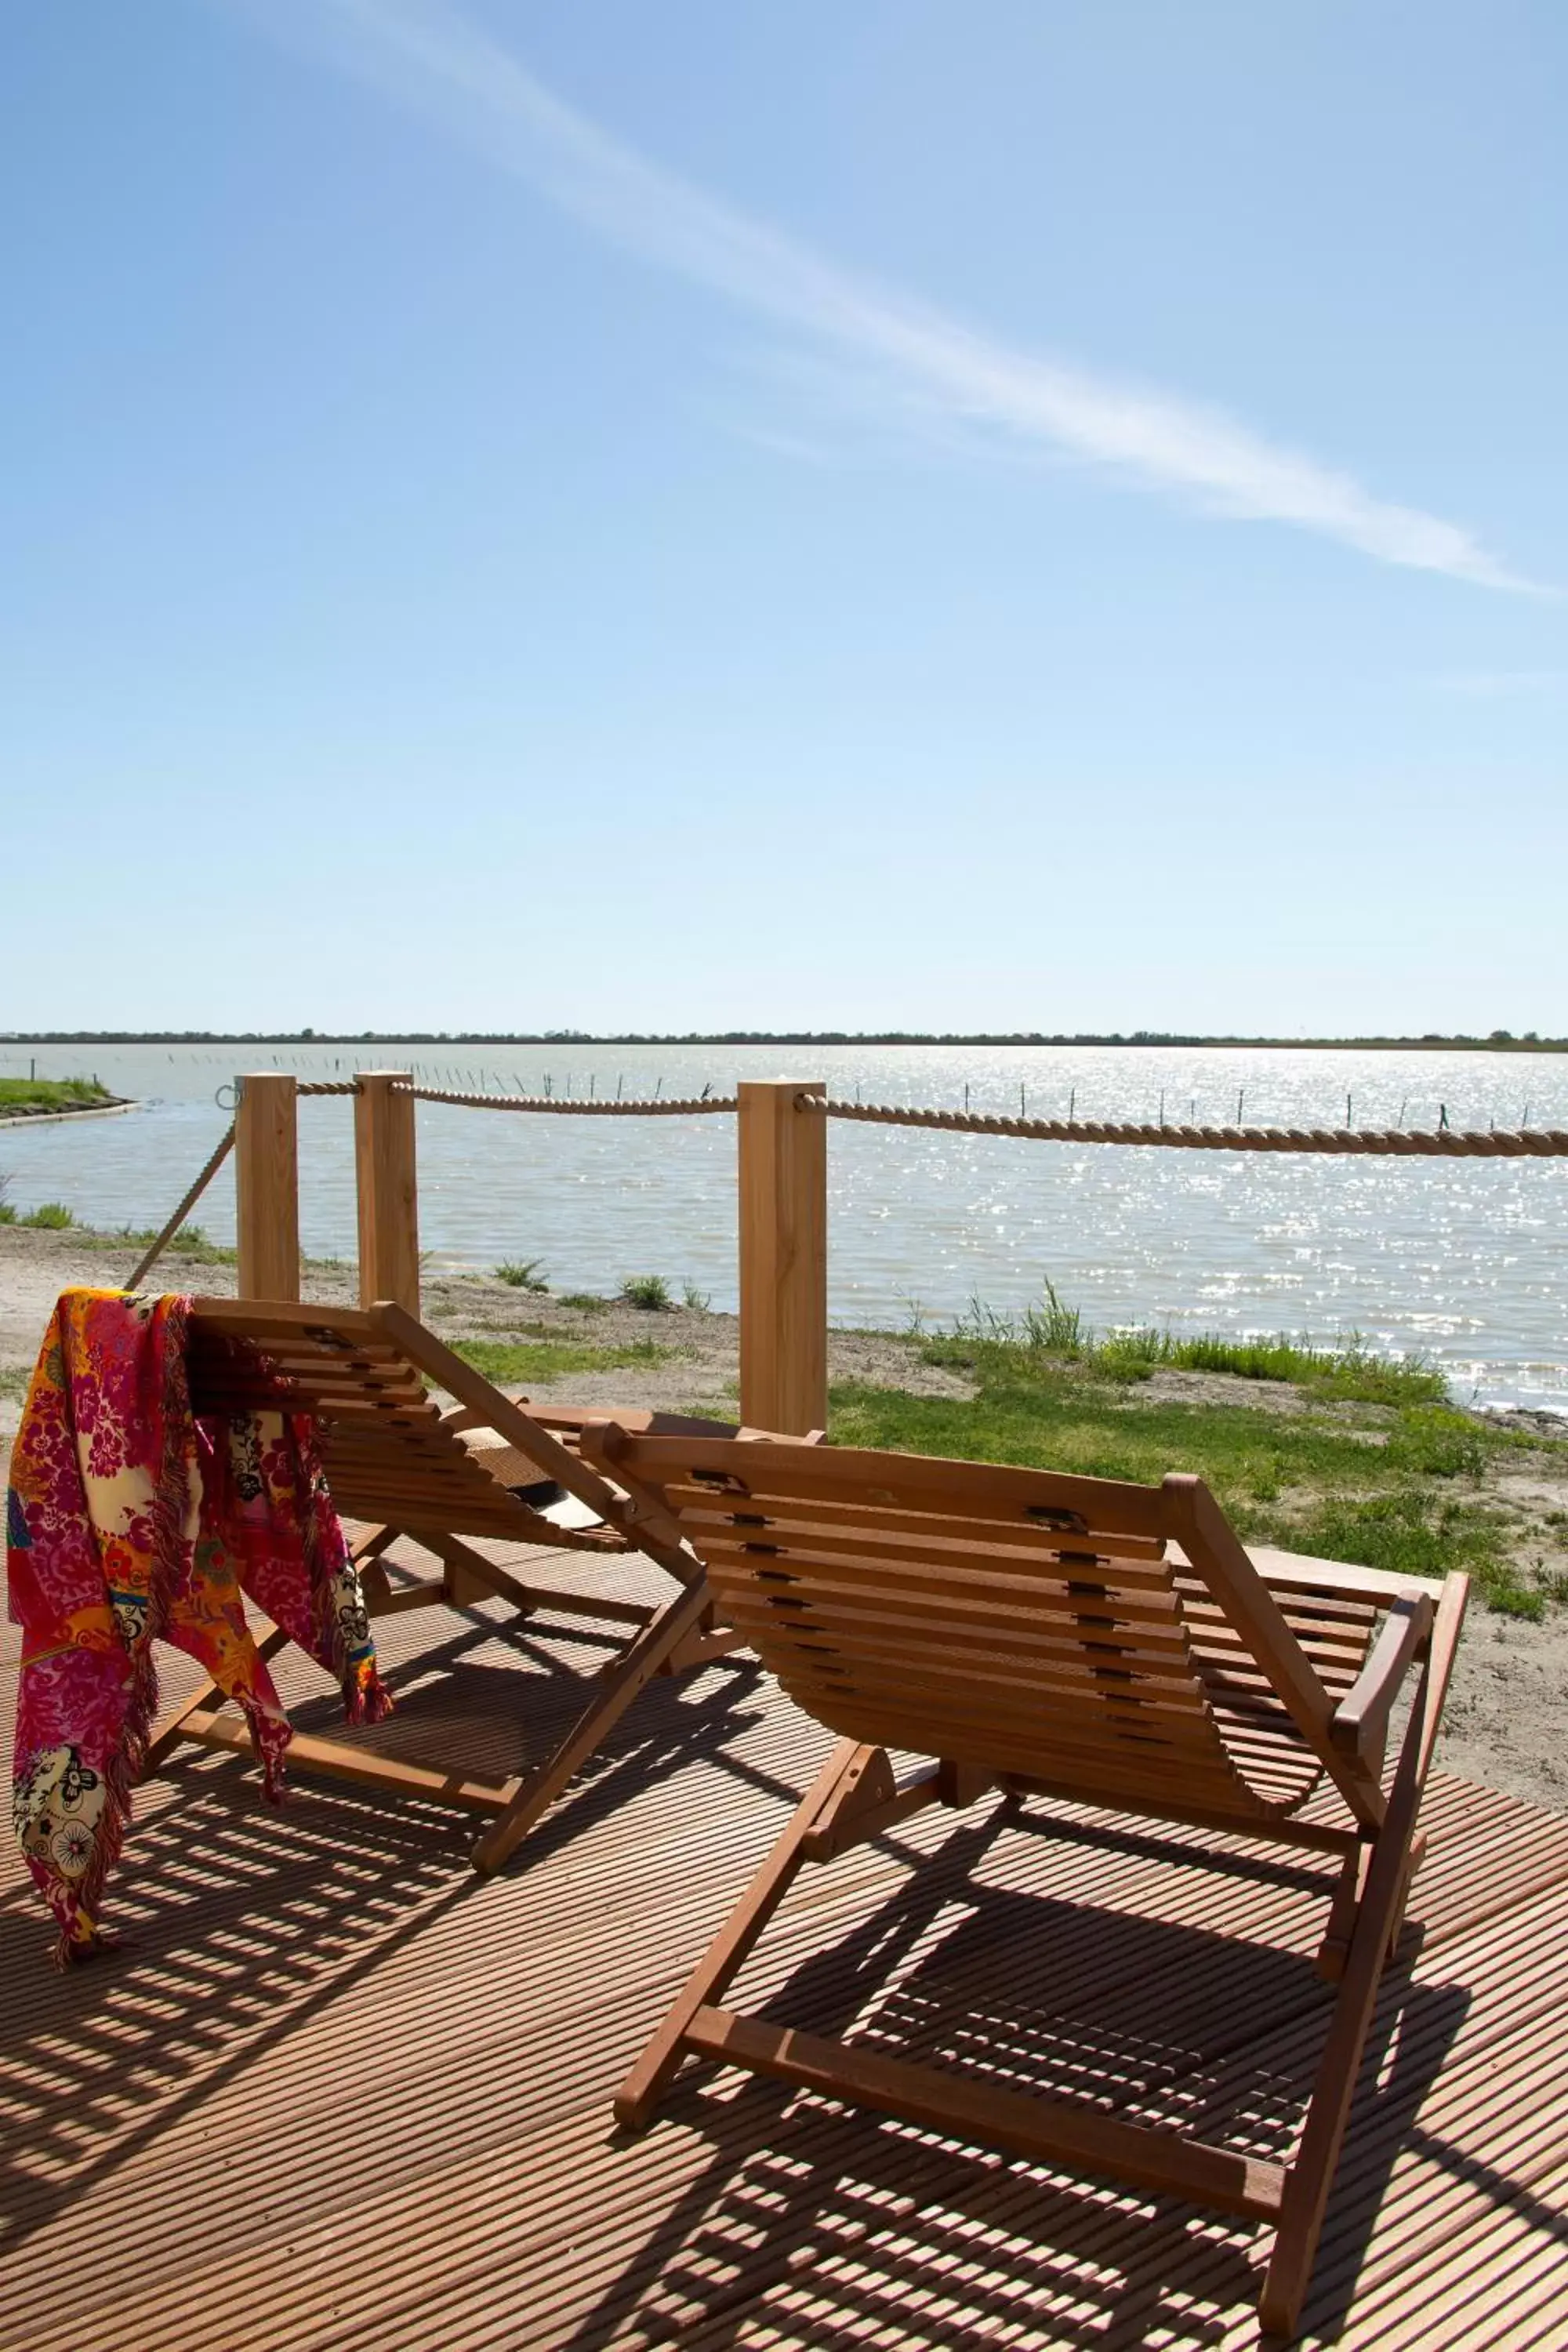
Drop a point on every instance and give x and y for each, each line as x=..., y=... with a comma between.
x=129, y=1521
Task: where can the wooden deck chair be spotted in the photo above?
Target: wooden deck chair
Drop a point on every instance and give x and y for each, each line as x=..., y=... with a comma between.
x=394, y=1459
x=1108, y=1643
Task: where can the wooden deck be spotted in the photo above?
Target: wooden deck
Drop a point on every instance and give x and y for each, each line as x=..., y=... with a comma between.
x=338, y=2093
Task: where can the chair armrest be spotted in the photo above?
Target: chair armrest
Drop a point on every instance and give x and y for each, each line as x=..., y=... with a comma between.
x=463, y=1417
x=1360, y=1722
x=1291, y=1571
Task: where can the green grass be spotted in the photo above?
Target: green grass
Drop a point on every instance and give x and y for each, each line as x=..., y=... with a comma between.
x=504, y=1361
x=50, y=1094
x=649, y=1291
x=1411, y=1533
x=984, y=1343
x=1349, y=1373
x=1388, y=1492
x=584, y=1302
x=187, y=1242
x=522, y=1273
x=49, y=1217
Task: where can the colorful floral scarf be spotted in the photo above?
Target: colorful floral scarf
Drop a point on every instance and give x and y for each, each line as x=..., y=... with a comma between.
x=128, y=1520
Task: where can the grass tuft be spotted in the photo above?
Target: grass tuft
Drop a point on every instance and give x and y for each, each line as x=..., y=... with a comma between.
x=1409, y=1533
x=1388, y=1479
x=649, y=1291
x=505, y=1361
x=522, y=1273
x=49, y=1217
x=1348, y=1372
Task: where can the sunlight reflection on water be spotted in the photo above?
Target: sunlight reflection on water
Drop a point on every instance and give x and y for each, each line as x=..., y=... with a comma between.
x=1464, y=1258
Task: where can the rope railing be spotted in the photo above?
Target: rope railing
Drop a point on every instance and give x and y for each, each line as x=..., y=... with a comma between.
x=577, y=1105
x=145, y=1264
x=150, y=1257
x=1392, y=1142
x=1396, y=1142
x=1387, y=1143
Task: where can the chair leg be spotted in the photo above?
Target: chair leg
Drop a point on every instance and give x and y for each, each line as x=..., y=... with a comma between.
x=640, y=2094
x=1377, y=1916
x=1416, y=1856
x=369, y=1557
x=1330, y=1963
x=614, y=1691
x=1395, y=1856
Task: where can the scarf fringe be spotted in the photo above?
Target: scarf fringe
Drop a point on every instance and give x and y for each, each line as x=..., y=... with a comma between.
x=329, y=1564
x=76, y=1943
x=269, y=1737
x=366, y=1698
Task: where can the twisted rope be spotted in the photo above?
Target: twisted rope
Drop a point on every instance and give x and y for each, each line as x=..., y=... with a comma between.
x=225, y=1145
x=1446, y=1143
x=650, y=1107
x=1391, y=1142
x=183, y=1210
x=1387, y=1142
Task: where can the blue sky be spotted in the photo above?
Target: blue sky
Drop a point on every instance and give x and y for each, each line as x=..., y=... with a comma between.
x=842, y=513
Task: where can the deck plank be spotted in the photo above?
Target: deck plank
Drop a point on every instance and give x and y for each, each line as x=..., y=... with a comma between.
x=337, y=2093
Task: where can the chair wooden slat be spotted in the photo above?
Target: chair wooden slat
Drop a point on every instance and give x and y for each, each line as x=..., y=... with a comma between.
x=393, y=1458
x=1099, y=1642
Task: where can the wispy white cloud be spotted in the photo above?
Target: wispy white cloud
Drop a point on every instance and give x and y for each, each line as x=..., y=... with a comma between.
x=425, y=52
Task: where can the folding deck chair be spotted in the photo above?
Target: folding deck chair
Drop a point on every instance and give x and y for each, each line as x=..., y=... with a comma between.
x=394, y=1459
x=1107, y=1644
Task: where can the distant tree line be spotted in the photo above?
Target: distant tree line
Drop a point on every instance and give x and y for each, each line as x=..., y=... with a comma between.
x=1495, y=1041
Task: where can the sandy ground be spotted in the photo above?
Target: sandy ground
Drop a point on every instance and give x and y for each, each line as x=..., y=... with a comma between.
x=699, y=1375
x=1506, y=1720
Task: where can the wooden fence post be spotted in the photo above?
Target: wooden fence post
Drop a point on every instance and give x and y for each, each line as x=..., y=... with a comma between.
x=783, y=1174
x=388, y=1190
x=266, y=1185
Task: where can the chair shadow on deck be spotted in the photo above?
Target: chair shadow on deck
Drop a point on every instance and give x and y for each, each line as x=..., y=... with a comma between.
x=240, y=1922
x=846, y=2220
x=500, y=1692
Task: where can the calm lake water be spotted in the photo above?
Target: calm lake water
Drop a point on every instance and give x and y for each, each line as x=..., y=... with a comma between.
x=1465, y=1259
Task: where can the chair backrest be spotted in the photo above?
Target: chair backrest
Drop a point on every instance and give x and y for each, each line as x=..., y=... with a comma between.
x=389, y=1453
x=1032, y=1625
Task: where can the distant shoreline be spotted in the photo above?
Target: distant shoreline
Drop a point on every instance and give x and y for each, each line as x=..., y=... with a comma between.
x=32, y=1099
x=1498, y=1042
x=43, y=1117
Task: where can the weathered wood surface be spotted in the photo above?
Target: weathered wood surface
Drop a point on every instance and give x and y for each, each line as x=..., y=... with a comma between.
x=337, y=2092
x=266, y=1185
x=782, y=1179
x=387, y=1187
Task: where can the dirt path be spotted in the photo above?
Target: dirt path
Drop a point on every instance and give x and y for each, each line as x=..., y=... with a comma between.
x=698, y=1371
